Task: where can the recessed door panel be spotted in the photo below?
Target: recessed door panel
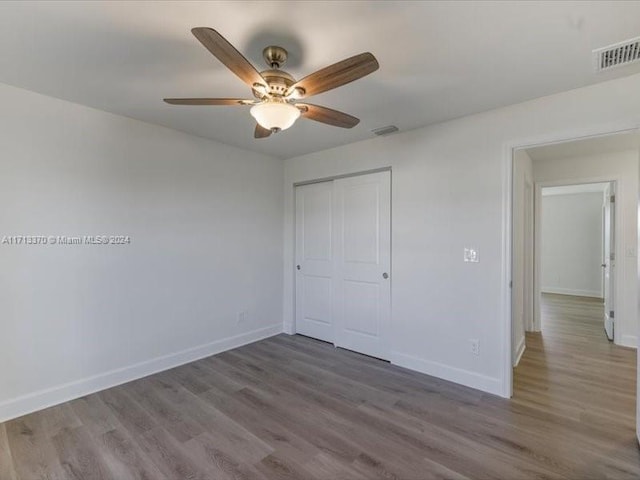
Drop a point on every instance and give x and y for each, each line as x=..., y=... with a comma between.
x=317, y=299
x=317, y=224
x=361, y=307
x=361, y=223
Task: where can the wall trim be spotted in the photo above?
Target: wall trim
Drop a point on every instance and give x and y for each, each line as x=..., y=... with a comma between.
x=570, y=291
x=463, y=377
x=522, y=346
x=32, y=402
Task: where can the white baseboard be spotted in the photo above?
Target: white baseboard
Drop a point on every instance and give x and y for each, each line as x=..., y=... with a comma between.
x=519, y=351
x=569, y=291
x=289, y=329
x=452, y=374
x=629, y=341
x=23, y=405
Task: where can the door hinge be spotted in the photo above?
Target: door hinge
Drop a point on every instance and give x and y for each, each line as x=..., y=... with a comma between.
x=612, y=199
x=511, y=284
x=612, y=256
x=611, y=314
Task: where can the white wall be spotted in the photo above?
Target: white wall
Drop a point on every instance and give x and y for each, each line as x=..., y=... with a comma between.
x=572, y=244
x=522, y=310
x=204, y=220
x=624, y=167
x=451, y=188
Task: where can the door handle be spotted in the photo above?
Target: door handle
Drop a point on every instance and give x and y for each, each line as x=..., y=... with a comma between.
x=604, y=265
x=385, y=275
x=298, y=267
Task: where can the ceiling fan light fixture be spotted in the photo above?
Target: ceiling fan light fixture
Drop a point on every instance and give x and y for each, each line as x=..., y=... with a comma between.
x=275, y=91
x=275, y=116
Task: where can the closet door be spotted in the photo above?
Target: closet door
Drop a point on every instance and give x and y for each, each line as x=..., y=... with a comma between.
x=362, y=241
x=314, y=261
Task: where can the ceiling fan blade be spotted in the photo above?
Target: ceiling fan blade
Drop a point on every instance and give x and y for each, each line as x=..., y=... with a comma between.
x=208, y=101
x=336, y=75
x=261, y=132
x=228, y=55
x=327, y=115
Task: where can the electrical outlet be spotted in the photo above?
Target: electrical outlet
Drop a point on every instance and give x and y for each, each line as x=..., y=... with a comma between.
x=242, y=316
x=475, y=346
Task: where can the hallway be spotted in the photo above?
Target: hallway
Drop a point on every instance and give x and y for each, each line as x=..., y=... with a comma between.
x=571, y=374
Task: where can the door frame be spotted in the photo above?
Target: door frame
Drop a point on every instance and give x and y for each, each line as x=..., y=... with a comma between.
x=508, y=151
x=338, y=177
x=294, y=330
x=529, y=258
x=537, y=240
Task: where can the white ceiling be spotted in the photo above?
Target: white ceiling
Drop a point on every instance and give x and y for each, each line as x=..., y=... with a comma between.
x=587, y=146
x=438, y=60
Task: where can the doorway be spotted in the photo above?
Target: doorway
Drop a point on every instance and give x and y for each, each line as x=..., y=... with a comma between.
x=609, y=161
x=577, y=249
x=343, y=260
x=587, y=316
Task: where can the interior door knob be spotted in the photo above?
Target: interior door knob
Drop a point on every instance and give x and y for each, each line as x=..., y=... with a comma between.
x=385, y=275
x=298, y=267
x=603, y=265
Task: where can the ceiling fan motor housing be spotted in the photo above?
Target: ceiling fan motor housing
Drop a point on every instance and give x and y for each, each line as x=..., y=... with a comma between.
x=275, y=56
x=278, y=82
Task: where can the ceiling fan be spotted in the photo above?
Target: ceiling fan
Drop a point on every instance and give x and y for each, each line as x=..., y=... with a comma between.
x=276, y=106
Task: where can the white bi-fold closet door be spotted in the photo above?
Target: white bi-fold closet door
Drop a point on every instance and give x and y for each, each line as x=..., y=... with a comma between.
x=343, y=260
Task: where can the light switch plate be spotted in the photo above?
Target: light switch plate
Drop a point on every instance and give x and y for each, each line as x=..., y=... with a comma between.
x=471, y=255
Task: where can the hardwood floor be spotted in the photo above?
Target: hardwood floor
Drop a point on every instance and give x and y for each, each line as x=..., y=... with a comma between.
x=296, y=408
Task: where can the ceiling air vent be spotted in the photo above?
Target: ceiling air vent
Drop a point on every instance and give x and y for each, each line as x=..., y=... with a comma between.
x=385, y=130
x=622, y=53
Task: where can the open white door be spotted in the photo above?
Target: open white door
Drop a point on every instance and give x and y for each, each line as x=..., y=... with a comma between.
x=362, y=239
x=314, y=260
x=608, y=260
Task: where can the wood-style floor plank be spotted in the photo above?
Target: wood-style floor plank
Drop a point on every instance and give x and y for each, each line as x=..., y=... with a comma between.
x=222, y=458
x=290, y=407
x=94, y=414
x=6, y=462
x=79, y=456
x=171, y=457
x=131, y=415
x=126, y=459
x=34, y=457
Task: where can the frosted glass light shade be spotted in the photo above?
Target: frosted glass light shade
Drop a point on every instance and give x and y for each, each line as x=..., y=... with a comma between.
x=277, y=115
